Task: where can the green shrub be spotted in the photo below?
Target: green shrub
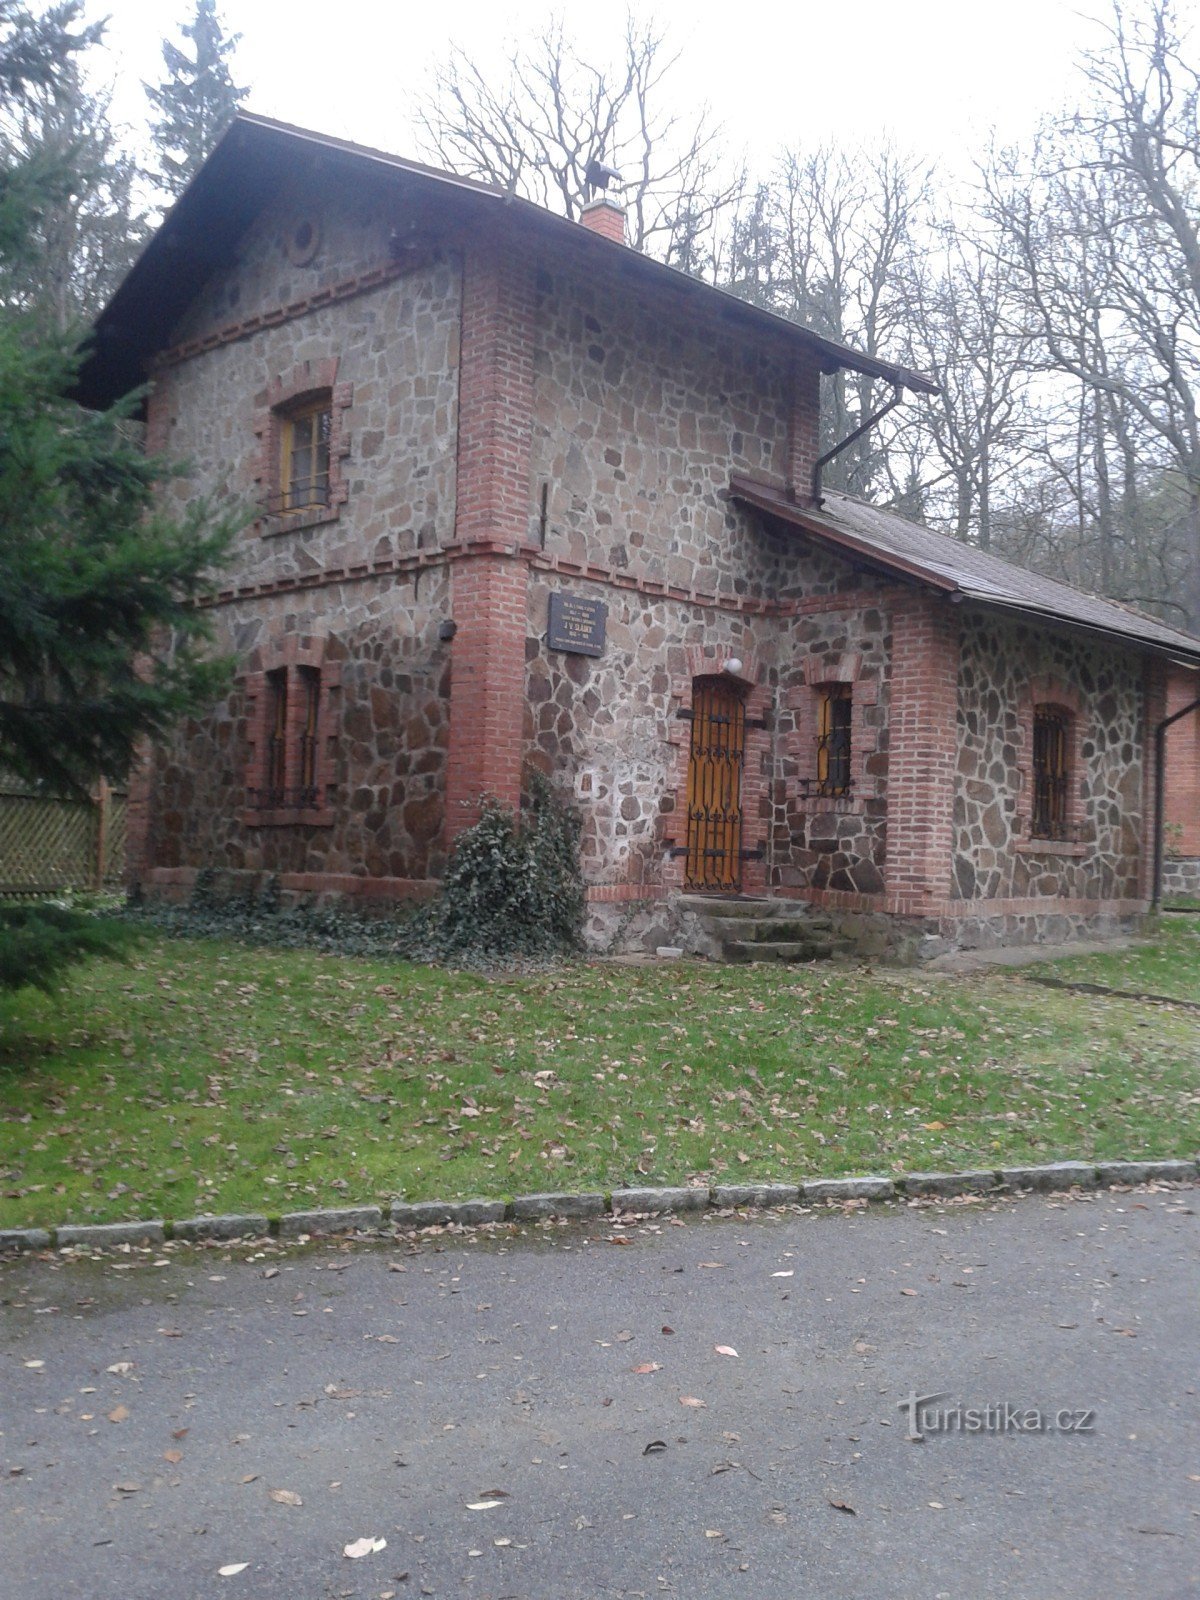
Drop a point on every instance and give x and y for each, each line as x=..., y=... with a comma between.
x=514, y=885
x=39, y=941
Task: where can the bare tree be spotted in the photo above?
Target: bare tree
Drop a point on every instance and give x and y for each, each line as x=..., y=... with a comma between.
x=1104, y=227
x=536, y=132
x=965, y=327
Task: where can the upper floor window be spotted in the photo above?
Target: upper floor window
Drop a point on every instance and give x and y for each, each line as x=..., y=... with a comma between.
x=833, y=739
x=305, y=436
x=1050, y=772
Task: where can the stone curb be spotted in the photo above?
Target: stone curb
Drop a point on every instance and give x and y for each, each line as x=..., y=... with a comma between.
x=1055, y=1176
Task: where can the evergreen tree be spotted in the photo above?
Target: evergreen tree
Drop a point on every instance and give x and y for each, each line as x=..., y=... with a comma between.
x=196, y=99
x=101, y=642
x=87, y=232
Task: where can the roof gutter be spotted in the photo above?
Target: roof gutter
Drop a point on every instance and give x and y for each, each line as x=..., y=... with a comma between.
x=876, y=416
x=1160, y=790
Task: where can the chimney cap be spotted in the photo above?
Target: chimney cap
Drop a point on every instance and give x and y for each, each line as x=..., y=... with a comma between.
x=598, y=175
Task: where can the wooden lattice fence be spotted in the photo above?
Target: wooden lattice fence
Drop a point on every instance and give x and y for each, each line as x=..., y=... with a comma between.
x=48, y=843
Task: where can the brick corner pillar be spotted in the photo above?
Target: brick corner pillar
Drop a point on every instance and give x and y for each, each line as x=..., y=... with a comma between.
x=1154, y=709
x=489, y=579
x=804, y=430
x=923, y=753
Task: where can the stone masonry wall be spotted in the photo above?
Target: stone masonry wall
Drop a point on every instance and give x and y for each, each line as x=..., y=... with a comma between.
x=994, y=858
x=387, y=741
x=391, y=356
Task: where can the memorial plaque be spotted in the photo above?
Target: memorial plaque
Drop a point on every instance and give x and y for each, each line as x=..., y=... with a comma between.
x=577, y=624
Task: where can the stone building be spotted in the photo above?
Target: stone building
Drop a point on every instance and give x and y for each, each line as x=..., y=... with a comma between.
x=520, y=497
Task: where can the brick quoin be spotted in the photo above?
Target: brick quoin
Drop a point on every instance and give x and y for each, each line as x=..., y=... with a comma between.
x=1182, y=798
x=488, y=591
x=804, y=431
x=923, y=750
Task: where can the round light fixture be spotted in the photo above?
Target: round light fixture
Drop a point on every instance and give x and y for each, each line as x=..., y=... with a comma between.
x=733, y=665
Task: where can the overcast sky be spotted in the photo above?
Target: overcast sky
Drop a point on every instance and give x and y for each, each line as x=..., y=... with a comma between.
x=936, y=74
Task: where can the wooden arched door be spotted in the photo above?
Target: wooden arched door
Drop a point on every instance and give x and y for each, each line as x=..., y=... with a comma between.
x=714, y=837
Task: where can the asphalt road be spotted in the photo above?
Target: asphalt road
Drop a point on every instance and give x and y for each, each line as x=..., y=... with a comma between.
x=389, y=1388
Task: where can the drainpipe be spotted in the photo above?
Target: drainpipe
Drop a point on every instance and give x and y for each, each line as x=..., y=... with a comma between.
x=876, y=416
x=1160, y=785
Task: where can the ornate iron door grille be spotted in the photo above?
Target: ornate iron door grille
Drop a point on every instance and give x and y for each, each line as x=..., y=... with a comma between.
x=714, y=840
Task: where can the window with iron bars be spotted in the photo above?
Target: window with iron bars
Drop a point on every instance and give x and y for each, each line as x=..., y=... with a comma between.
x=833, y=740
x=293, y=741
x=1050, y=773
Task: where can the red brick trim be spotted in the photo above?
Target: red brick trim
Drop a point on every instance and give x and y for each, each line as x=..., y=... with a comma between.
x=1182, y=809
x=1154, y=709
x=820, y=672
x=289, y=655
x=922, y=748
x=804, y=430
x=619, y=893
x=278, y=315
x=306, y=381
x=707, y=661
x=340, y=883
x=1066, y=698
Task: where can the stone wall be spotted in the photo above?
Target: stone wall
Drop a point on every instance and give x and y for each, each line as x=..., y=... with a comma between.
x=994, y=856
x=387, y=739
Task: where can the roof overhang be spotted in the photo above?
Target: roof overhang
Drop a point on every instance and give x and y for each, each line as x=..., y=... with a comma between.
x=775, y=501
x=257, y=155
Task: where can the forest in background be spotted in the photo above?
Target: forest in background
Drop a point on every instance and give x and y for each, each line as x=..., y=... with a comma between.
x=1055, y=296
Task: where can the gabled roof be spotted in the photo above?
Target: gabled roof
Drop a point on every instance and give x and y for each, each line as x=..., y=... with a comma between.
x=886, y=540
x=243, y=174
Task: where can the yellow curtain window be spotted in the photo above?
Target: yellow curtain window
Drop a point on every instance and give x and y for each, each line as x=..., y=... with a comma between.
x=304, y=467
x=833, y=740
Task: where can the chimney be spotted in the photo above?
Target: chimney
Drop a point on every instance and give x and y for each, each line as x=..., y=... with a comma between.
x=604, y=216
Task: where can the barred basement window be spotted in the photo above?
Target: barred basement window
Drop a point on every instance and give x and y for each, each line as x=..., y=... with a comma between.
x=305, y=434
x=1050, y=774
x=290, y=773
x=833, y=740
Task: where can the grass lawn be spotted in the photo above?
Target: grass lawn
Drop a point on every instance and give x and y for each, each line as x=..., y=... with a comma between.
x=208, y=1076
x=1168, y=964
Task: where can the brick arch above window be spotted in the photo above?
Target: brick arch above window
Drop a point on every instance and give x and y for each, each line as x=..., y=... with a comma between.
x=301, y=390
x=293, y=693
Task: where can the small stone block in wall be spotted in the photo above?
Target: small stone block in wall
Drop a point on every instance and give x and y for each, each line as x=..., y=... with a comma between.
x=1143, y=1172
x=194, y=1229
x=943, y=1183
x=536, y=1207
x=102, y=1234
x=24, y=1239
x=659, y=1199
x=756, y=1194
x=353, y=1219
x=1058, y=1175
x=471, y=1213
x=849, y=1189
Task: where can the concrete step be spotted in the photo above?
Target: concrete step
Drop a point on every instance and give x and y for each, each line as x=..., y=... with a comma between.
x=771, y=930
x=743, y=950
x=702, y=905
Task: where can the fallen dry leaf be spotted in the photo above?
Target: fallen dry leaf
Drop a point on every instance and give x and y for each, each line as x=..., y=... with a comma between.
x=37, y=1365
x=654, y=1447
x=648, y=1366
x=364, y=1547
x=711, y=1263
x=789, y=1274
x=285, y=1497
x=482, y=1505
x=118, y=1414
x=666, y=1329
x=232, y=1570
x=690, y=1400
x=725, y=1350
x=840, y=1505
x=173, y=1456
x=127, y=1488
x=911, y=1293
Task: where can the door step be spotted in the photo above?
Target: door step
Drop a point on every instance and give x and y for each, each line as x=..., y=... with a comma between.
x=746, y=929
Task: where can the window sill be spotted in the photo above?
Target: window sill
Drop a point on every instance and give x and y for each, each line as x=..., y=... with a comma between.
x=290, y=817
x=1050, y=847
x=297, y=521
